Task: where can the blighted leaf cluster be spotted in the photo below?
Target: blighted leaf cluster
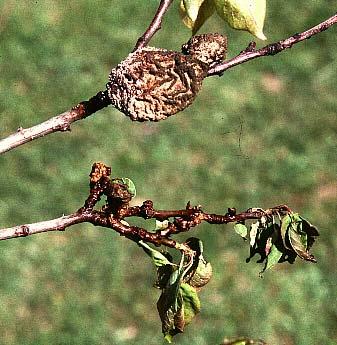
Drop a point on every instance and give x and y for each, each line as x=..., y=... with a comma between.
x=276, y=234
x=245, y=15
x=179, y=283
x=278, y=238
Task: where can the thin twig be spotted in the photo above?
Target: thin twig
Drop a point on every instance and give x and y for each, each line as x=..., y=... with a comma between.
x=271, y=49
x=58, y=224
x=155, y=24
x=59, y=123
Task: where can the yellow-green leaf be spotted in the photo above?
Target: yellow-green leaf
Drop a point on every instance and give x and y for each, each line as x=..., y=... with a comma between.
x=130, y=185
x=246, y=15
x=192, y=8
x=157, y=257
x=273, y=257
x=191, y=302
x=285, y=224
x=184, y=16
x=241, y=230
x=194, y=13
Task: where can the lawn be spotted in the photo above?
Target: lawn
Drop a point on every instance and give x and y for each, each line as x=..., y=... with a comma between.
x=263, y=134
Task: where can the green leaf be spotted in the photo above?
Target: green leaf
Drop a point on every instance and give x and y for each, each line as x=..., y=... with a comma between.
x=285, y=224
x=170, y=304
x=277, y=243
x=171, y=313
x=130, y=186
x=241, y=229
x=192, y=8
x=298, y=241
x=298, y=235
x=194, y=13
x=157, y=257
x=273, y=257
x=178, y=302
x=191, y=302
x=245, y=15
x=175, y=316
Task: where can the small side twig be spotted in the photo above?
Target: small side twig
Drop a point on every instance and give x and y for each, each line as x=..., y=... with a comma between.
x=271, y=49
x=155, y=24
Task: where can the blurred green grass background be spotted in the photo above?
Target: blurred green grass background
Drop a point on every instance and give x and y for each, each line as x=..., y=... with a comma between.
x=263, y=134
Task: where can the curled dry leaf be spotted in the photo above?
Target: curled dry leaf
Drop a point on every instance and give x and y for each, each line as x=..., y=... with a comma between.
x=201, y=271
x=178, y=302
x=278, y=242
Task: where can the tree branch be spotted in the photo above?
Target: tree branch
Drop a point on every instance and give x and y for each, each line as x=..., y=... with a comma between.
x=154, y=26
x=59, y=123
x=63, y=121
x=112, y=215
x=271, y=49
x=291, y=234
x=58, y=224
x=187, y=219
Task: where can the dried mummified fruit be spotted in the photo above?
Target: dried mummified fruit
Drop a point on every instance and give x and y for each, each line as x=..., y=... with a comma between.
x=152, y=83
